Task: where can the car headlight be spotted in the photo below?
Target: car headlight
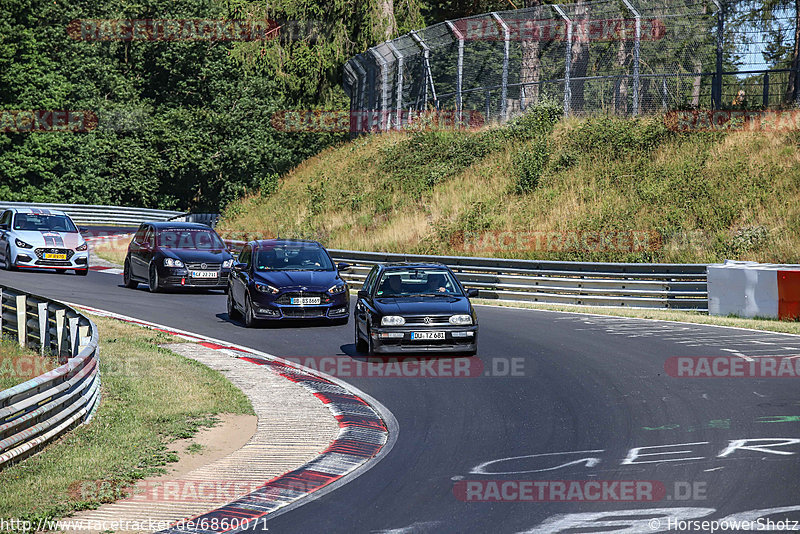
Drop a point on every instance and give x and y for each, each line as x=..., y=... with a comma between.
x=393, y=320
x=169, y=262
x=227, y=264
x=266, y=288
x=338, y=288
x=22, y=244
x=461, y=320
x=81, y=248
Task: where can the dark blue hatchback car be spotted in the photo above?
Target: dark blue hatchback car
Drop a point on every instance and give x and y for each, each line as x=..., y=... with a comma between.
x=287, y=279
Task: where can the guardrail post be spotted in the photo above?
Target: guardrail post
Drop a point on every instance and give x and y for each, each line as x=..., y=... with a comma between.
x=506, y=49
x=83, y=334
x=636, y=50
x=73, y=336
x=60, y=314
x=44, y=328
x=22, y=319
x=567, y=61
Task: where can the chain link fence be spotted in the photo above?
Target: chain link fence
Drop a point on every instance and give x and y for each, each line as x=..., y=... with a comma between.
x=622, y=57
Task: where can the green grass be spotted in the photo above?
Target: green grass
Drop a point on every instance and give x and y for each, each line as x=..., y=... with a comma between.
x=151, y=397
x=18, y=365
x=709, y=196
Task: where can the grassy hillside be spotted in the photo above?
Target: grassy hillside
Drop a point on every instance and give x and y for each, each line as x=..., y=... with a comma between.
x=708, y=196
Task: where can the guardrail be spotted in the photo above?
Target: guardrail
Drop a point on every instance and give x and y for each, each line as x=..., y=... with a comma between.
x=86, y=214
x=635, y=285
x=37, y=411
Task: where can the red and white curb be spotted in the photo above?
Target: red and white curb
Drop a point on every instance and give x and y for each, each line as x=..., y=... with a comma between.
x=106, y=270
x=367, y=432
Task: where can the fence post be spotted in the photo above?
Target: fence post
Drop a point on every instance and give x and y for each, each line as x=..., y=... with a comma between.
x=22, y=319
x=568, y=60
x=664, y=93
x=716, y=89
x=506, y=49
x=399, y=82
x=488, y=105
x=44, y=328
x=636, y=51
x=1, y=313
x=384, y=120
x=426, y=51
x=361, y=107
x=460, y=73
x=765, y=92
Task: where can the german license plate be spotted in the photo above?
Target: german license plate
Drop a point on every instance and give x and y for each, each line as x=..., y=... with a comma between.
x=427, y=335
x=204, y=274
x=55, y=256
x=304, y=301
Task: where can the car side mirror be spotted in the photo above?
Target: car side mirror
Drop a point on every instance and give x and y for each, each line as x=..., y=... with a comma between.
x=239, y=267
x=472, y=293
x=3, y=227
x=82, y=229
x=363, y=294
x=343, y=266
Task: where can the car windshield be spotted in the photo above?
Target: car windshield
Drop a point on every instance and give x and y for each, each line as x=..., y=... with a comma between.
x=38, y=222
x=418, y=282
x=190, y=238
x=293, y=258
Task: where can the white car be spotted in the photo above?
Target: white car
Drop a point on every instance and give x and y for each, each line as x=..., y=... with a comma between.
x=33, y=238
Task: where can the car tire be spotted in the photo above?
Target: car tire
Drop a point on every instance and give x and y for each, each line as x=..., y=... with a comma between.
x=127, y=279
x=233, y=313
x=8, y=263
x=82, y=272
x=249, y=320
x=361, y=345
x=153, y=284
x=370, y=343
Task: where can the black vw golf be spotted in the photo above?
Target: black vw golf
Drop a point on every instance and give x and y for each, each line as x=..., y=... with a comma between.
x=414, y=307
x=278, y=279
x=177, y=255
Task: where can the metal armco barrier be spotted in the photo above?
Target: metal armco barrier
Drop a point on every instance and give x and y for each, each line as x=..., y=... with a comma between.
x=37, y=411
x=634, y=285
x=85, y=214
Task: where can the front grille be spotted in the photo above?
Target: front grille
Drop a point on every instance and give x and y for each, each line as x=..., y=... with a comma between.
x=53, y=263
x=208, y=267
x=303, y=313
x=197, y=282
x=434, y=320
x=40, y=252
x=286, y=297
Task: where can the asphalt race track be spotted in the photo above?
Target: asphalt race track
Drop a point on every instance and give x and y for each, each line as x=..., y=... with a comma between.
x=585, y=383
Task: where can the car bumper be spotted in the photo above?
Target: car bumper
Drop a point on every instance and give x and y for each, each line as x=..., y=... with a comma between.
x=456, y=339
x=27, y=259
x=178, y=278
x=335, y=310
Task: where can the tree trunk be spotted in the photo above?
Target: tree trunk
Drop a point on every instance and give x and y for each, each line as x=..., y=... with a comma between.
x=791, y=87
x=580, y=54
x=388, y=24
x=531, y=64
x=698, y=80
x=621, y=84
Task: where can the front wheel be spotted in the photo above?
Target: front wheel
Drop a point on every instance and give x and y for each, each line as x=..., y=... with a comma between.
x=8, y=262
x=153, y=283
x=249, y=318
x=127, y=280
x=233, y=313
x=361, y=345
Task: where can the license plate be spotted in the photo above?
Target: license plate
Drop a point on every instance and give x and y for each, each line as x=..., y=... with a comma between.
x=427, y=335
x=55, y=256
x=302, y=301
x=204, y=274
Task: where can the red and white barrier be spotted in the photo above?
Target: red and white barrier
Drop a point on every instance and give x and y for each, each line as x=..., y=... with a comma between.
x=750, y=289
